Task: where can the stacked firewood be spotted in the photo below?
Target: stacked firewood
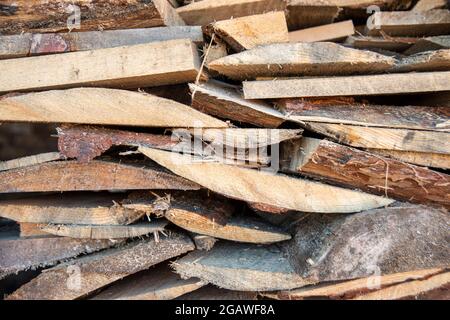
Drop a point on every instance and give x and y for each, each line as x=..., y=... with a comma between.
x=224, y=149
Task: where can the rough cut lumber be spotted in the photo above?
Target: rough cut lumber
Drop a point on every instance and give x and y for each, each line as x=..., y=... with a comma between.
x=385, y=138
x=301, y=59
x=78, y=208
x=351, y=288
x=375, y=242
x=84, y=143
x=207, y=11
x=210, y=292
x=395, y=44
x=239, y=228
x=158, y=283
x=411, y=23
x=246, y=138
x=353, y=168
x=142, y=65
x=408, y=289
x=18, y=254
x=425, y=5
x=224, y=101
x=257, y=187
x=29, y=161
x=100, y=269
x=241, y=267
x=106, y=106
x=104, y=232
x=438, y=60
x=203, y=242
x=249, y=32
x=429, y=44
x=426, y=159
x=28, y=44
x=28, y=230
x=348, y=86
x=32, y=16
x=328, y=32
x=348, y=111
x=96, y=175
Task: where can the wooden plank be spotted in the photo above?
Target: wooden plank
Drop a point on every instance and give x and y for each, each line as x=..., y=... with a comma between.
x=78, y=208
x=104, y=232
x=32, y=16
x=203, y=242
x=142, y=65
x=241, y=267
x=96, y=175
x=348, y=111
x=207, y=11
x=23, y=254
x=28, y=230
x=408, y=289
x=249, y=32
x=257, y=187
x=371, y=243
x=158, y=283
x=385, y=138
x=27, y=44
x=224, y=101
x=395, y=44
x=29, y=161
x=368, y=172
x=351, y=288
x=327, y=32
x=348, y=86
x=106, y=106
x=429, y=44
x=210, y=292
x=426, y=61
x=425, y=5
x=100, y=269
x=426, y=159
x=411, y=23
x=301, y=59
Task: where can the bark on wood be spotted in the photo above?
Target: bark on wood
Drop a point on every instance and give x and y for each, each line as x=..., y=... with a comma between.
x=101, y=269
x=106, y=106
x=213, y=293
x=241, y=267
x=376, y=242
x=348, y=111
x=142, y=65
x=328, y=32
x=104, y=232
x=426, y=159
x=31, y=253
x=368, y=172
x=29, y=161
x=348, y=86
x=408, y=289
x=79, y=208
x=224, y=101
x=28, y=44
x=351, y=288
x=249, y=32
x=411, y=23
x=158, y=283
x=429, y=44
x=385, y=138
x=32, y=16
x=207, y=11
x=97, y=175
x=301, y=59
x=257, y=187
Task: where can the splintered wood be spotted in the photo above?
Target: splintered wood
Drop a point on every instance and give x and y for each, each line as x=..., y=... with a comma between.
x=224, y=149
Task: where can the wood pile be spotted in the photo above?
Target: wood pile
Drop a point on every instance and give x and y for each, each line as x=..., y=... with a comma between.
x=224, y=149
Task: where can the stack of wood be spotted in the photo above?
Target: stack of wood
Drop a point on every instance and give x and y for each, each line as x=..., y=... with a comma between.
x=226, y=149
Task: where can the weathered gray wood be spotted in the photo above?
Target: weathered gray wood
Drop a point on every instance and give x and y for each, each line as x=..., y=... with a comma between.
x=100, y=269
x=210, y=292
x=429, y=44
x=27, y=44
x=438, y=60
x=29, y=161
